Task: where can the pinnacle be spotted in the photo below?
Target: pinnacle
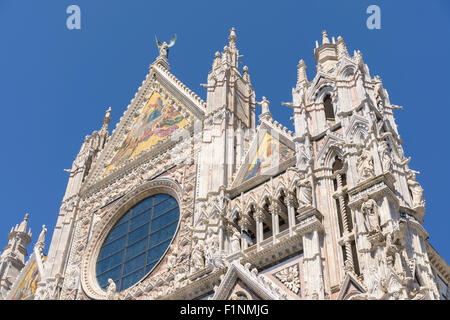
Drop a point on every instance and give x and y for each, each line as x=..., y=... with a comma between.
x=325, y=39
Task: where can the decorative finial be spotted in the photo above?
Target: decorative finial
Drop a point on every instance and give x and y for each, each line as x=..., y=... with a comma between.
x=325, y=37
x=163, y=47
x=40, y=244
x=301, y=72
x=23, y=224
x=232, y=38
x=341, y=48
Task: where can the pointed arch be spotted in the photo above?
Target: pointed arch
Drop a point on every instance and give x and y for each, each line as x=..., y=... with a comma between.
x=347, y=72
x=332, y=152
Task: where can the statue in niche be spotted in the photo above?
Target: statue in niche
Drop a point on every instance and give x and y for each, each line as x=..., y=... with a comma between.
x=304, y=156
x=304, y=193
x=370, y=212
x=183, y=253
x=198, y=255
x=416, y=191
x=365, y=166
x=386, y=160
x=235, y=240
x=111, y=290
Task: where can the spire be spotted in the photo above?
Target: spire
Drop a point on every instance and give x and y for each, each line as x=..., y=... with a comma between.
x=23, y=225
x=40, y=244
x=341, y=48
x=325, y=39
x=232, y=38
x=301, y=73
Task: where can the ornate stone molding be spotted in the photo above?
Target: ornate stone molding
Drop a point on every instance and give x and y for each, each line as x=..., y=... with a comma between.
x=88, y=274
x=259, y=284
x=290, y=277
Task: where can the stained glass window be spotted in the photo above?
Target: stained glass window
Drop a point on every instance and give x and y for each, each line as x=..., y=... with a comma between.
x=137, y=242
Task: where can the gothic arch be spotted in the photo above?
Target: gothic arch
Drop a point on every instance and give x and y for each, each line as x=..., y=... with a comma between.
x=281, y=188
x=236, y=212
x=250, y=202
x=358, y=130
x=266, y=198
x=322, y=91
x=347, y=72
x=331, y=142
x=333, y=152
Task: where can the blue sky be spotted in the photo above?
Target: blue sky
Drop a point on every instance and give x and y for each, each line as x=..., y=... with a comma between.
x=55, y=83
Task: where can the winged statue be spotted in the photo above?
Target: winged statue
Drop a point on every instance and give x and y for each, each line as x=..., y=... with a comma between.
x=163, y=47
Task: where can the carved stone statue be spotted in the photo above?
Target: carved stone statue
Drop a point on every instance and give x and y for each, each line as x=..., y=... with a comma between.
x=111, y=290
x=386, y=160
x=198, y=256
x=235, y=240
x=416, y=192
x=370, y=212
x=216, y=62
x=264, y=105
x=304, y=193
x=365, y=166
x=378, y=91
x=163, y=47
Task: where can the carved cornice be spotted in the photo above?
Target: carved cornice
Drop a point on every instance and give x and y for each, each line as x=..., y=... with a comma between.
x=373, y=188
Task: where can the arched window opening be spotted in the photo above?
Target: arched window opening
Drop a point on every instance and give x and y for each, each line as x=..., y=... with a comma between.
x=267, y=223
x=250, y=233
x=283, y=216
x=328, y=105
x=344, y=215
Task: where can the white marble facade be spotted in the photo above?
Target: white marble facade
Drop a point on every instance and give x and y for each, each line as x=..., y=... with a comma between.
x=330, y=211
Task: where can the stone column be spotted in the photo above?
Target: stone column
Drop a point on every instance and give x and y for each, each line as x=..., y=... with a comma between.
x=289, y=201
x=259, y=218
x=221, y=234
x=275, y=210
x=310, y=230
x=348, y=259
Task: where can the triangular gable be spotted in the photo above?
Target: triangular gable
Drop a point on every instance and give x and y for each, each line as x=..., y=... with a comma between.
x=161, y=107
x=155, y=123
x=257, y=285
x=25, y=284
x=332, y=139
x=350, y=287
x=271, y=152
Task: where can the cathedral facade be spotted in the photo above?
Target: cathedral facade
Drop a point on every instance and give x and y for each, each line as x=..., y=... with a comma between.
x=188, y=199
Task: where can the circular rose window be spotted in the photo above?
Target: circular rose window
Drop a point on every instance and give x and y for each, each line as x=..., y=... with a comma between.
x=137, y=242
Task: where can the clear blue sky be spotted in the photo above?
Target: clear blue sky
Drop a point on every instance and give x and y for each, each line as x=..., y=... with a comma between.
x=55, y=83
